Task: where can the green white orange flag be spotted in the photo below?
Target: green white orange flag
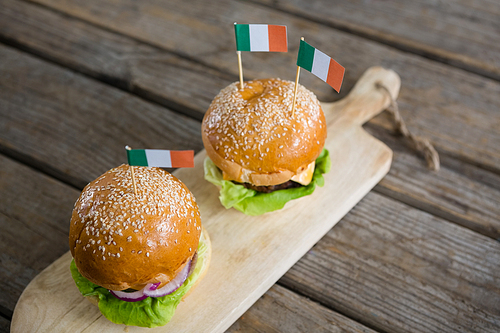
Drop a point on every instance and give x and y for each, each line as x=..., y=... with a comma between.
x=261, y=37
x=161, y=158
x=320, y=65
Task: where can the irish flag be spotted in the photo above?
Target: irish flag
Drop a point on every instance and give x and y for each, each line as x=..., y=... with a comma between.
x=320, y=65
x=161, y=158
x=261, y=37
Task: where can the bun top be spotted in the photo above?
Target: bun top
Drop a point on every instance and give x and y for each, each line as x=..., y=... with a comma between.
x=251, y=135
x=122, y=240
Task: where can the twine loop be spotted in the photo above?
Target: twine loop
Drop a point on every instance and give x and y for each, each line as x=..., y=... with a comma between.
x=421, y=145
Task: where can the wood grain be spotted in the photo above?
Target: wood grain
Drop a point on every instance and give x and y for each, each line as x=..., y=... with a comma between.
x=43, y=105
x=437, y=100
x=464, y=33
x=280, y=310
x=468, y=196
x=138, y=67
x=91, y=50
x=34, y=214
x=403, y=270
x=258, y=250
x=362, y=260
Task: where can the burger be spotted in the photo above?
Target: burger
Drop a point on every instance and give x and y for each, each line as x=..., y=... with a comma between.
x=136, y=255
x=261, y=153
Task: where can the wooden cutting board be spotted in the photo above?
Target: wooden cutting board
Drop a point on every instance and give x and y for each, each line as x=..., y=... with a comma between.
x=249, y=253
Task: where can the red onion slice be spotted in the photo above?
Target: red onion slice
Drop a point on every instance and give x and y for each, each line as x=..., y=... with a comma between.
x=134, y=296
x=169, y=287
x=153, y=286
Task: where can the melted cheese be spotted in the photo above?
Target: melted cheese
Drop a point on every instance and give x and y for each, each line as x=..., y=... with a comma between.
x=305, y=176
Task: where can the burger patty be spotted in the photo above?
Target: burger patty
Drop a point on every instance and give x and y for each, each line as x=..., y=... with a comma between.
x=271, y=188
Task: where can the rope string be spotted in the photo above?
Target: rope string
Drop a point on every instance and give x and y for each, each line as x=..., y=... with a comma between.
x=421, y=145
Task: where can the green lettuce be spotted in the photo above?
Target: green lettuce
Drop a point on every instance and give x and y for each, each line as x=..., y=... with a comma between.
x=252, y=202
x=150, y=312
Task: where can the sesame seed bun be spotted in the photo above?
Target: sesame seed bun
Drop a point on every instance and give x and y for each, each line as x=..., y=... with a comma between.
x=122, y=240
x=252, y=136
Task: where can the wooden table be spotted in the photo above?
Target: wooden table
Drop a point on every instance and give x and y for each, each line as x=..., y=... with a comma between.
x=420, y=253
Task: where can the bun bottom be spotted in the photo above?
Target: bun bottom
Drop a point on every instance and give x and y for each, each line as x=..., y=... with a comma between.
x=94, y=299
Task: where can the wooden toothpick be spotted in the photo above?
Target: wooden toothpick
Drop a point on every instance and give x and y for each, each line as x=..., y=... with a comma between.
x=296, y=87
x=295, y=90
x=240, y=67
x=132, y=172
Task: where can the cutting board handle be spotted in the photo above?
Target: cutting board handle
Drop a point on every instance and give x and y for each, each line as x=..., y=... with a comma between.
x=367, y=98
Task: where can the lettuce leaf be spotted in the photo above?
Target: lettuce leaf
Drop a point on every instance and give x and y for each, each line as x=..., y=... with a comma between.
x=150, y=312
x=252, y=202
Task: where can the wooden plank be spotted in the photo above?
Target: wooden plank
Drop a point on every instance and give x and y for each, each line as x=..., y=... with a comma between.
x=463, y=33
x=403, y=270
x=455, y=109
x=468, y=196
x=433, y=192
x=280, y=310
x=43, y=105
x=141, y=68
x=34, y=226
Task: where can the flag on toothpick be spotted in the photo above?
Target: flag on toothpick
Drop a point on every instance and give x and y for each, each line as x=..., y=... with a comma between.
x=261, y=37
x=161, y=158
x=320, y=65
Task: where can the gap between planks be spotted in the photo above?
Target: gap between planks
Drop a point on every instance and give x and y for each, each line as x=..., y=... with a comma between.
x=5, y=313
x=114, y=82
x=293, y=289
x=161, y=100
x=152, y=94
